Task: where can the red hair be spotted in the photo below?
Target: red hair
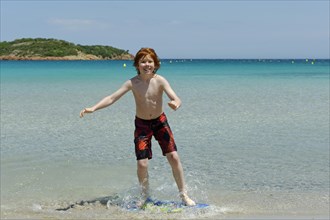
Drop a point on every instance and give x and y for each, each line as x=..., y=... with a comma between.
x=144, y=52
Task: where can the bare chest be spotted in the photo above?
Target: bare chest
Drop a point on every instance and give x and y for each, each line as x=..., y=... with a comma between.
x=147, y=90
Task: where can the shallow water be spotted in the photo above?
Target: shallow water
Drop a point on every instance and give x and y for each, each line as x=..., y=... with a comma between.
x=253, y=137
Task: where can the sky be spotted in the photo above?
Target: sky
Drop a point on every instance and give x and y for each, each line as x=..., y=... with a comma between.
x=178, y=29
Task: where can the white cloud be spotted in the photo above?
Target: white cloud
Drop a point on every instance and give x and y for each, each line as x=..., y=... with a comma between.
x=77, y=24
x=176, y=22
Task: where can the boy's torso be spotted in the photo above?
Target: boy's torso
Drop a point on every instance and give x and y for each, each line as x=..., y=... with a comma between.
x=148, y=95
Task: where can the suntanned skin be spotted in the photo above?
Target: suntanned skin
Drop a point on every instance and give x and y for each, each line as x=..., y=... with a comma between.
x=148, y=89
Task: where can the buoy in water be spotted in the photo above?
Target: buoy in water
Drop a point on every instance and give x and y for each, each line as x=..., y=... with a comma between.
x=124, y=65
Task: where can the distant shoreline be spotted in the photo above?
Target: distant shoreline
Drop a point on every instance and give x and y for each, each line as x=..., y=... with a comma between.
x=131, y=57
x=79, y=57
x=54, y=49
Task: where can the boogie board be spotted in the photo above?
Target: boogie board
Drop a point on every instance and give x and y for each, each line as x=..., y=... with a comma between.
x=163, y=206
x=150, y=205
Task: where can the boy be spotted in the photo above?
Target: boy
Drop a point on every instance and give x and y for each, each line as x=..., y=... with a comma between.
x=150, y=120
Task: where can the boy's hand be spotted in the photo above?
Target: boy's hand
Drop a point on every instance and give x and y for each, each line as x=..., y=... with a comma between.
x=173, y=105
x=86, y=111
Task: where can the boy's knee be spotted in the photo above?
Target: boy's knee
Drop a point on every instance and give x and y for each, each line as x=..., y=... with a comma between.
x=142, y=164
x=173, y=157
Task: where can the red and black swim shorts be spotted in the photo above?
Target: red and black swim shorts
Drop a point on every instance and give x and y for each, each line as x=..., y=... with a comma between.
x=145, y=129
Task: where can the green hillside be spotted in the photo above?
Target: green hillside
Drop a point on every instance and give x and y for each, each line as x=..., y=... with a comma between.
x=41, y=47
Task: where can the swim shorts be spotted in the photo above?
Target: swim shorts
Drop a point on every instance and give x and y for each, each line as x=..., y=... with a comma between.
x=145, y=129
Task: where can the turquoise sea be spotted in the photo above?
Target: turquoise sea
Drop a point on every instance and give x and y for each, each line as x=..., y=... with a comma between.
x=253, y=137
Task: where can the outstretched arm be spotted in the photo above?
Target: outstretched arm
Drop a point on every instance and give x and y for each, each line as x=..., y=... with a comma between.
x=175, y=102
x=109, y=100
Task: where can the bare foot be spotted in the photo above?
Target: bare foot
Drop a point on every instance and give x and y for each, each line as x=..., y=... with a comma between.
x=140, y=203
x=142, y=200
x=186, y=200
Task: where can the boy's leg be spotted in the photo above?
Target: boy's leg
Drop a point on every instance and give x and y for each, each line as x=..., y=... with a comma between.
x=142, y=173
x=174, y=160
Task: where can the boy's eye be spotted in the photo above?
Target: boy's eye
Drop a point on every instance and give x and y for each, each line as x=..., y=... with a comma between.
x=146, y=61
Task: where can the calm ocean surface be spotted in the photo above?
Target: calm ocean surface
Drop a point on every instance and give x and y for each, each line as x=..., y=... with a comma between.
x=253, y=137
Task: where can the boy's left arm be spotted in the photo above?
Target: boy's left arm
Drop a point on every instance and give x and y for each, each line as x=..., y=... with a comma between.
x=175, y=102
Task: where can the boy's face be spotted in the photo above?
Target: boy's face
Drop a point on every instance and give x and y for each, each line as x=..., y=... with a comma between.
x=146, y=65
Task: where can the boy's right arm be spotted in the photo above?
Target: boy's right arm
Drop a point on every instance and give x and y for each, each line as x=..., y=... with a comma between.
x=109, y=100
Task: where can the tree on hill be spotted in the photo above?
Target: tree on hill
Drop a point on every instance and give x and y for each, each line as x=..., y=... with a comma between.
x=42, y=47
